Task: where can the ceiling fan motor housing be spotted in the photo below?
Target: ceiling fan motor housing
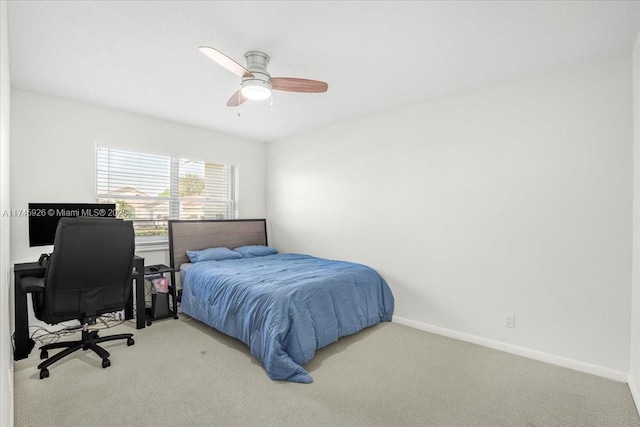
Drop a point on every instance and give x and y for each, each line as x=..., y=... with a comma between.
x=258, y=86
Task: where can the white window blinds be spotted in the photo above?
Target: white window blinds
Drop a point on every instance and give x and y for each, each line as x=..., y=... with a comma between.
x=150, y=189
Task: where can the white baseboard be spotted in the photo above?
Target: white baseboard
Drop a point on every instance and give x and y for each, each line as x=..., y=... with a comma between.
x=522, y=351
x=635, y=393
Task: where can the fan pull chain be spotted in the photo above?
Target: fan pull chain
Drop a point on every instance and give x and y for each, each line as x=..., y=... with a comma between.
x=239, y=105
x=271, y=105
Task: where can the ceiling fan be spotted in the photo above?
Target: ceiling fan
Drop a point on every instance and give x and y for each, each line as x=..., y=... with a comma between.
x=257, y=83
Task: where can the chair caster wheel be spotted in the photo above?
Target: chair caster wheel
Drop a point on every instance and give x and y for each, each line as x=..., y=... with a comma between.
x=148, y=322
x=106, y=363
x=130, y=341
x=176, y=317
x=44, y=373
x=44, y=354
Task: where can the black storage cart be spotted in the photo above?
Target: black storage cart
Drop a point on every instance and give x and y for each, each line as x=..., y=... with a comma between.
x=160, y=302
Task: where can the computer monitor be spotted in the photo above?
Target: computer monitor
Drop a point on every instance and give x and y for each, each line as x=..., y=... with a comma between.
x=44, y=218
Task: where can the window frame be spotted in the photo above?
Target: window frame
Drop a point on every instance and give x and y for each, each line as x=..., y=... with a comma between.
x=222, y=194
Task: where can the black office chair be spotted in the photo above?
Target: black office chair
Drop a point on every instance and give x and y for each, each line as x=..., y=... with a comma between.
x=88, y=274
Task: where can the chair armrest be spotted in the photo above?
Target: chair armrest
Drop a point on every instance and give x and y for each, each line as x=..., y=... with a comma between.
x=32, y=284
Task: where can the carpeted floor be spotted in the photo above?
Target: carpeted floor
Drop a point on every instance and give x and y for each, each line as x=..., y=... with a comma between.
x=183, y=373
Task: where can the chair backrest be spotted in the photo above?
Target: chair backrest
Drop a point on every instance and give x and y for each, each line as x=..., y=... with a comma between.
x=89, y=272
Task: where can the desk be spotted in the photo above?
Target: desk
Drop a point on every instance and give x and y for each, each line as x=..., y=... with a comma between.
x=138, y=276
x=24, y=344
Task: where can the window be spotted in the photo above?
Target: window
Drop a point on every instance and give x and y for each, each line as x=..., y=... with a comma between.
x=150, y=189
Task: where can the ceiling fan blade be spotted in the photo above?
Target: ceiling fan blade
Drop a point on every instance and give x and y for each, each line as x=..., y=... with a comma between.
x=236, y=99
x=225, y=61
x=291, y=84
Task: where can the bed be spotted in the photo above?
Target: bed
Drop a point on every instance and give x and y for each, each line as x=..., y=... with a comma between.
x=283, y=306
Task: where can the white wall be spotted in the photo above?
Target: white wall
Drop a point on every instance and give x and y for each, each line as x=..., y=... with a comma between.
x=512, y=199
x=634, y=360
x=6, y=358
x=53, y=156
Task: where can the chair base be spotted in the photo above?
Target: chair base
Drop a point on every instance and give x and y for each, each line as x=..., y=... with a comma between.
x=89, y=341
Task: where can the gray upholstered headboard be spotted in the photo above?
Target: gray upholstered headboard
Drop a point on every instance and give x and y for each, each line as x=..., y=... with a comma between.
x=196, y=235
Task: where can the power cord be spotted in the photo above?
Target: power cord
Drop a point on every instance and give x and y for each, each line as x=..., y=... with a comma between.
x=44, y=336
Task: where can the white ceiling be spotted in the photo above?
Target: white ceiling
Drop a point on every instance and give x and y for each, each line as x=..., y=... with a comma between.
x=143, y=57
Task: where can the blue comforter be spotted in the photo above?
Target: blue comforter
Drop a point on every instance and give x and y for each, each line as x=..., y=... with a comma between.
x=286, y=306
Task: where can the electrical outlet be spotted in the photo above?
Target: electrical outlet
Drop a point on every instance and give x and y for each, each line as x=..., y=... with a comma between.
x=509, y=320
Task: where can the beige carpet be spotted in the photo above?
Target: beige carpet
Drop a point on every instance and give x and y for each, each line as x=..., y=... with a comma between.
x=183, y=373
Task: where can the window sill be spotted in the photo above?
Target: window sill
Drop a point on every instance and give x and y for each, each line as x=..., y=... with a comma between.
x=151, y=247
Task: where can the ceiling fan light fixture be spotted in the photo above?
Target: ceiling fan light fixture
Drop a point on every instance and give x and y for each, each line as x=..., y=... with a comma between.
x=255, y=90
